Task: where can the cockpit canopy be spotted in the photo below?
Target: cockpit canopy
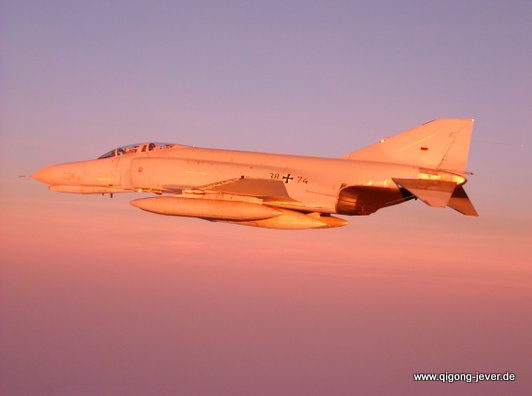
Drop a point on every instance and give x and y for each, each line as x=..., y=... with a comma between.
x=136, y=148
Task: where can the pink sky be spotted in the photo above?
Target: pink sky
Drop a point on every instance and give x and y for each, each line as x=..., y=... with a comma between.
x=97, y=297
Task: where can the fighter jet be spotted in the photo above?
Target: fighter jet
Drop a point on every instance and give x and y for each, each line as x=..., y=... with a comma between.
x=281, y=191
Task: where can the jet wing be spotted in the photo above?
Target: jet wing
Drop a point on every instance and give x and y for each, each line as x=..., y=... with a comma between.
x=259, y=188
x=272, y=192
x=276, y=209
x=250, y=187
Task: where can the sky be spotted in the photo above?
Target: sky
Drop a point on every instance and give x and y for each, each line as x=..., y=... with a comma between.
x=99, y=298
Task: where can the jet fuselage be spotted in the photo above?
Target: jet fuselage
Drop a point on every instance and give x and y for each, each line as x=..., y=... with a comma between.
x=292, y=186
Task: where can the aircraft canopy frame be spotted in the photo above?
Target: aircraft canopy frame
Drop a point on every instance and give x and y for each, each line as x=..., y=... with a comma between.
x=136, y=148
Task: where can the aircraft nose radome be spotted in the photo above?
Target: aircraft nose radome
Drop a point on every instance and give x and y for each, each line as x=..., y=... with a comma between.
x=45, y=175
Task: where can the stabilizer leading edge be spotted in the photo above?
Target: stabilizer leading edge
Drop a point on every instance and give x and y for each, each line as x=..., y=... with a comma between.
x=461, y=203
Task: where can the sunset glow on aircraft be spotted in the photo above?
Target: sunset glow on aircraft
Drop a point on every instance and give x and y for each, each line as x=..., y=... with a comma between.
x=281, y=191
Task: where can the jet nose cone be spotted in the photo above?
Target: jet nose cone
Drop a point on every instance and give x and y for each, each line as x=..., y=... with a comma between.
x=45, y=175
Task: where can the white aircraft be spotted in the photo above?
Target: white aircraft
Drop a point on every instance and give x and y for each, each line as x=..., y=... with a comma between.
x=281, y=191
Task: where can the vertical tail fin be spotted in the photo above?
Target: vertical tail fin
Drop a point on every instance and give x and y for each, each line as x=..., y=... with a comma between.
x=439, y=144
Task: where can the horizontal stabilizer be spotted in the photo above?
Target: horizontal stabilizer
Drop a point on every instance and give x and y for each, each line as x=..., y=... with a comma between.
x=436, y=193
x=460, y=202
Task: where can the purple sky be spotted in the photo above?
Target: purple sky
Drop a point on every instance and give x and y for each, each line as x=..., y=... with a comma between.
x=98, y=298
